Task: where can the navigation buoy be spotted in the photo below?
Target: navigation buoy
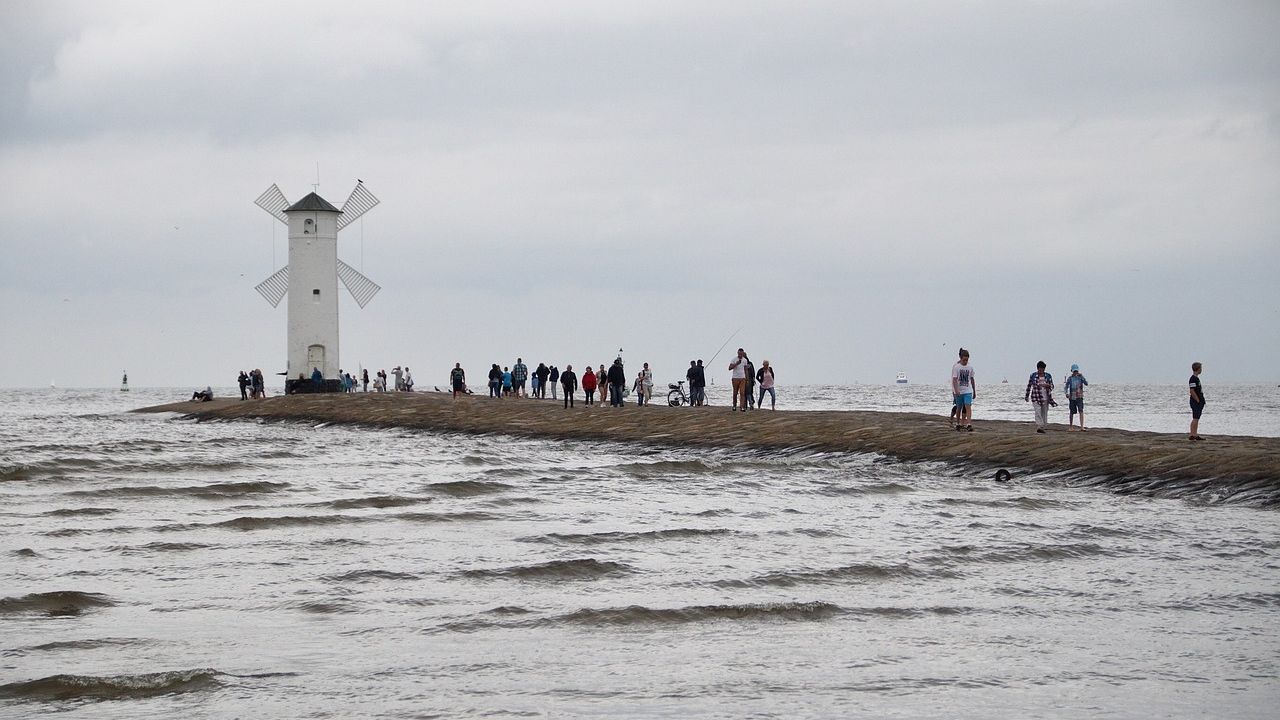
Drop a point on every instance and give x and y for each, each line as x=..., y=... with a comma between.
x=1003, y=476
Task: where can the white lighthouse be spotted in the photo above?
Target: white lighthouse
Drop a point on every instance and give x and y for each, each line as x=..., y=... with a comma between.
x=310, y=280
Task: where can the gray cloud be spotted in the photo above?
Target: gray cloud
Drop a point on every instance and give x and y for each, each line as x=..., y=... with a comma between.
x=855, y=184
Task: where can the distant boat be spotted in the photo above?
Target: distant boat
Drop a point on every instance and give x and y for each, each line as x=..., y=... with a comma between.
x=902, y=378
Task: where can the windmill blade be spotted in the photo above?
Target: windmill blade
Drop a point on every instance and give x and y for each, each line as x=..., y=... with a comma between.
x=274, y=202
x=361, y=288
x=360, y=202
x=274, y=288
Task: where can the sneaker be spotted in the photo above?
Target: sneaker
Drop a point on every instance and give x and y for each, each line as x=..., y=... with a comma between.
x=969, y=428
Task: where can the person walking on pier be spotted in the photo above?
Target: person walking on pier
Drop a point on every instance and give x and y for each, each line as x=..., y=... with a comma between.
x=617, y=382
x=519, y=374
x=458, y=379
x=569, y=379
x=554, y=377
x=602, y=382
x=589, y=384
x=495, y=381
x=1073, y=388
x=765, y=377
x=1197, y=401
x=739, y=378
x=638, y=387
x=1040, y=394
x=964, y=387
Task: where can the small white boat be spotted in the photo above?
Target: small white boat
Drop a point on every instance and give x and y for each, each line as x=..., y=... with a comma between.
x=902, y=378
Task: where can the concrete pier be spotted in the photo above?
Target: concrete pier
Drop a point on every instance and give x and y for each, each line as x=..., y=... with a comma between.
x=1127, y=461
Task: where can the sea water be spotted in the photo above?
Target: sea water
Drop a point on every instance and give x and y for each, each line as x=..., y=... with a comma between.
x=154, y=567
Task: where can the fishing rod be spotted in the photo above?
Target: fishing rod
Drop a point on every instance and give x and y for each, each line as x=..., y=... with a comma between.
x=726, y=342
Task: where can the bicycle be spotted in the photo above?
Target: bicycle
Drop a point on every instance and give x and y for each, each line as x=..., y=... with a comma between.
x=677, y=397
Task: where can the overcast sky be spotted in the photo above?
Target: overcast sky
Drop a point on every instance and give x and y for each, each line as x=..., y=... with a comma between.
x=860, y=187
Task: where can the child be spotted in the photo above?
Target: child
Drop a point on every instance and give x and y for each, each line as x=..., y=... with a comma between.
x=1197, y=402
x=1074, y=388
x=964, y=387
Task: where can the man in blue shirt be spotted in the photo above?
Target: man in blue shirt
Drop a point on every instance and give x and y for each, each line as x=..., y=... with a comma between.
x=1074, y=388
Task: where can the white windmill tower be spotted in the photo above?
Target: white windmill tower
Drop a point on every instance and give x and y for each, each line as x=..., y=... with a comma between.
x=311, y=277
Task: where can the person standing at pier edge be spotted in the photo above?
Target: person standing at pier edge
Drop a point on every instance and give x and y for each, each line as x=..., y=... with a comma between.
x=244, y=384
x=1197, y=401
x=964, y=386
x=602, y=382
x=638, y=387
x=458, y=379
x=617, y=382
x=317, y=379
x=699, y=385
x=259, y=384
x=364, y=379
x=519, y=374
x=381, y=386
x=554, y=377
x=765, y=377
x=399, y=375
x=739, y=368
x=1073, y=387
x=569, y=379
x=749, y=384
x=1040, y=393
x=543, y=373
x=506, y=382
x=495, y=381
x=589, y=383
x=408, y=379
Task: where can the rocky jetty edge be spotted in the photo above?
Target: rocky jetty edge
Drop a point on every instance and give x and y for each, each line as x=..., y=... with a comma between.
x=1220, y=468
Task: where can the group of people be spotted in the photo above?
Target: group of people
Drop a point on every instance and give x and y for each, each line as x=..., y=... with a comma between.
x=1039, y=392
x=252, y=385
x=510, y=381
x=745, y=379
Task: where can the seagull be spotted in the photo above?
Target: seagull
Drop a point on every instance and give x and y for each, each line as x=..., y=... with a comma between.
x=359, y=181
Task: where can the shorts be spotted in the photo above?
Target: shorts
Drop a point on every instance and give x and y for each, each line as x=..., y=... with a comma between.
x=964, y=399
x=1076, y=405
x=1196, y=409
x=458, y=386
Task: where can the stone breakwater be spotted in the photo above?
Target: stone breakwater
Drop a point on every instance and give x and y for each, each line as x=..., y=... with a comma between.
x=1233, y=467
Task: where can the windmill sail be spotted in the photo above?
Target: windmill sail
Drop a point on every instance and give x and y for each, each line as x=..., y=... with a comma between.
x=358, y=203
x=274, y=202
x=361, y=288
x=274, y=288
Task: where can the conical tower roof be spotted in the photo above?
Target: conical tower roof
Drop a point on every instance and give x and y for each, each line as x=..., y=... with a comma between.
x=312, y=202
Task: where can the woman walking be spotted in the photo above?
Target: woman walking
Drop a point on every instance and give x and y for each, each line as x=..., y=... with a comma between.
x=589, y=385
x=765, y=377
